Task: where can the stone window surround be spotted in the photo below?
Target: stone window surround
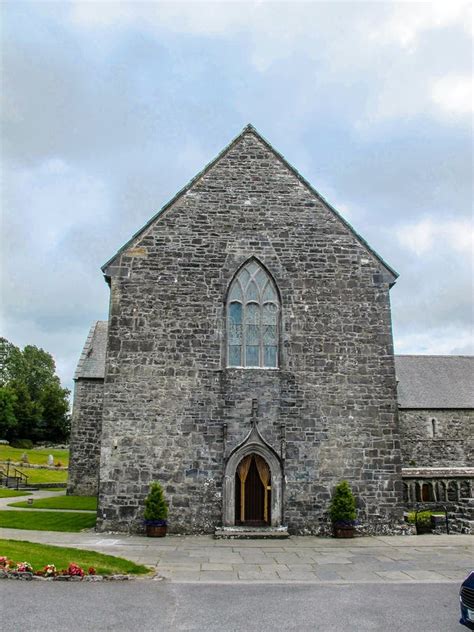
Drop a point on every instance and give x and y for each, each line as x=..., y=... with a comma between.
x=278, y=302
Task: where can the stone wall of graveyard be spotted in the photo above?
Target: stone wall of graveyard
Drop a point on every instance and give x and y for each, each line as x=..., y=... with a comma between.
x=173, y=412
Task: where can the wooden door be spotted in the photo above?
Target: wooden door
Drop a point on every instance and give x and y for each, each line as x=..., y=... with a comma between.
x=252, y=508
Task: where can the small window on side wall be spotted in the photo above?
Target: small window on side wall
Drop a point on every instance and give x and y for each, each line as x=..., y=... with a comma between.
x=253, y=313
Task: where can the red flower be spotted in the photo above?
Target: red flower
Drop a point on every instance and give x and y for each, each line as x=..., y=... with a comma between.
x=75, y=570
x=91, y=570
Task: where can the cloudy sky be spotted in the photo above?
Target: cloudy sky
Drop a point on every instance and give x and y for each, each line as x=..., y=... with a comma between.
x=109, y=108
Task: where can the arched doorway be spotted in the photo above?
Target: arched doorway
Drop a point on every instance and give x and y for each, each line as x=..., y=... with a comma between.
x=255, y=461
x=253, y=491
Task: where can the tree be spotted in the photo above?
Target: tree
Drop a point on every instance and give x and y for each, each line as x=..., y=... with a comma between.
x=39, y=404
x=156, y=508
x=343, y=505
x=55, y=424
x=10, y=356
x=8, y=422
x=27, y=412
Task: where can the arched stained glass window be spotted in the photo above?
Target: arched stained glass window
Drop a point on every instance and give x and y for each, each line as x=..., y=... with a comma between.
x=253, y=311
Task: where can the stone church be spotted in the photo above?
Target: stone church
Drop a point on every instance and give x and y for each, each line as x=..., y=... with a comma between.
x=247, y=364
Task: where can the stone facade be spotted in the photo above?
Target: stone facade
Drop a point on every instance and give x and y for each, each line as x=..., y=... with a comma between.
x=86, y=426
x=175, y=412
x=437, y=438
x=85, y=437
x=449, y=488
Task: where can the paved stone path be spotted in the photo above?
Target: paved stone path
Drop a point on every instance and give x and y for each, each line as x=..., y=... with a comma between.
x=400, y=559
x=41, y=493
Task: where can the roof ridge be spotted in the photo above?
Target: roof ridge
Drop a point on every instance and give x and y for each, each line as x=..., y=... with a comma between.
x=250, y=129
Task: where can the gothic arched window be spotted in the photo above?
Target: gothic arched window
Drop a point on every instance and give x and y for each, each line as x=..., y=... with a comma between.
x=253, y=310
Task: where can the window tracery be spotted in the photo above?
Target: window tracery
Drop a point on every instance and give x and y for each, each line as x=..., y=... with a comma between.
x=253, y=311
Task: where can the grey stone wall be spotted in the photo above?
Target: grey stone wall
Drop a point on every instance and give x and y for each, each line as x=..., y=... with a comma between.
x=173, y=412
x=85, y=437
x=451, y=488
x=451, y=445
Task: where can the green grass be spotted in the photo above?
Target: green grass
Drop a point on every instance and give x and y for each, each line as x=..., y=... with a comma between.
x=47, y=520
x=9, y=493
x=38, y=555
x=36, y=456
x=423, y=516
x=61, y=502
x=44, y=476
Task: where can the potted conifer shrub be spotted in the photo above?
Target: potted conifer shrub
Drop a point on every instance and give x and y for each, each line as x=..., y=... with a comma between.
x=343, y=511
x=156, y=512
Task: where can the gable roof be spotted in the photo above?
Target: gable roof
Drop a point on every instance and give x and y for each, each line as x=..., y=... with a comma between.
x=92, y=361
x=426, y=381
x=249, y=129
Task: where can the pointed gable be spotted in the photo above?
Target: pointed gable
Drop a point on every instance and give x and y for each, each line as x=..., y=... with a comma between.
x=235, y=163
x=91, y=364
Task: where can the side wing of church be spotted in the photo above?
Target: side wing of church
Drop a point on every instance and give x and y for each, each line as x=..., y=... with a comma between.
x=247, y=363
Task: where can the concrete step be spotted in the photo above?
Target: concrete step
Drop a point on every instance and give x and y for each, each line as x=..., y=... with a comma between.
x=252, y=533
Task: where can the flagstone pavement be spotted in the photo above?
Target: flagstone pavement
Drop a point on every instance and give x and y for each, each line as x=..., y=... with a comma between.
x=299, y=559
x=303, y=559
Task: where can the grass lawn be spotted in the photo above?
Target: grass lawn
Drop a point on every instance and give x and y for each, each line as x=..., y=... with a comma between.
x=423, y=515
x=44, y=476
x=38, y=555
x=9, y=493
x=61, y=502
x=36, y=456
x=47, y=520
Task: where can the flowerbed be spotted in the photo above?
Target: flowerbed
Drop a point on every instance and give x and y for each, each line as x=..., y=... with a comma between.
x=24, y=570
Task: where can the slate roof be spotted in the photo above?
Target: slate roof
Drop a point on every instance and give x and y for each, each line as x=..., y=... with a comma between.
x=426, y=381
x=92, y=361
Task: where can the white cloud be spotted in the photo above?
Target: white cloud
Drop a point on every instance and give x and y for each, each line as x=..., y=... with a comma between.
x=453, y=94
x=383, y=47
x=442, y=341
x=409, y=20
x=427, y=234
x=53, y=197
x=57, y=218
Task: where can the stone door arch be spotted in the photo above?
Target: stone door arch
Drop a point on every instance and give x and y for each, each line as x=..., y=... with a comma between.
x=254, y=444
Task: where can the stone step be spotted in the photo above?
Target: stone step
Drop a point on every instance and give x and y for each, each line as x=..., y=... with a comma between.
x=252, y=533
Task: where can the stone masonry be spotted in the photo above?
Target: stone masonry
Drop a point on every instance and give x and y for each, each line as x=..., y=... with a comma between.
x=85, y=438
x=451, y=444
x=87, y=411
x=164, y=404
x=173, y=411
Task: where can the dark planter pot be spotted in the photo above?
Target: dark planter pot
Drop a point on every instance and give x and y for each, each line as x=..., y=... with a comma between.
x=343, y=531
x=156, y=529
x=423, y=528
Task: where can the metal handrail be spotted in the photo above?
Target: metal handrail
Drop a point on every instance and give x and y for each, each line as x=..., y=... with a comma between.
x=18, y=476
